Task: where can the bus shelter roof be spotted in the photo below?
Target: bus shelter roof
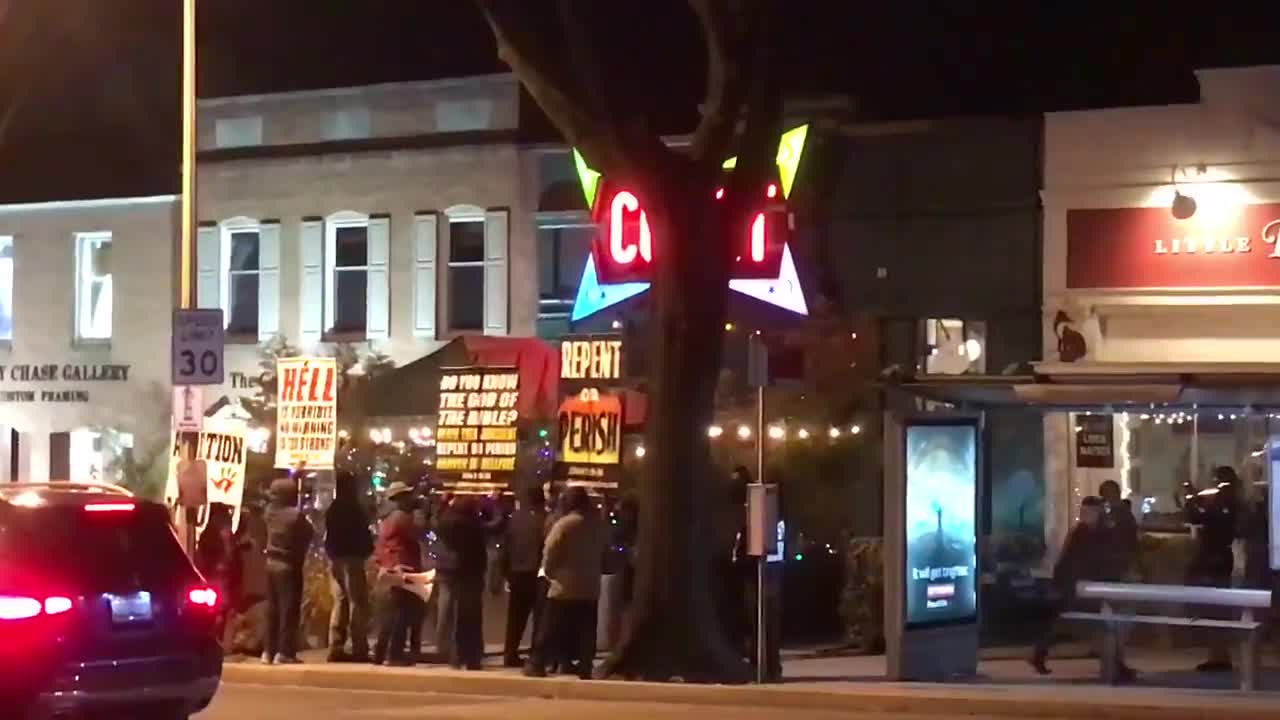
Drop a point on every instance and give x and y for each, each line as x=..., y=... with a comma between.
x=1106, y=387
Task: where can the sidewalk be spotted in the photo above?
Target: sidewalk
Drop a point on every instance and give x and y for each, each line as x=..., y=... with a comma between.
x=1006, y=687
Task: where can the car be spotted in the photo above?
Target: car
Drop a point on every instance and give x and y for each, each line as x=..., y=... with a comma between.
x=101, y=611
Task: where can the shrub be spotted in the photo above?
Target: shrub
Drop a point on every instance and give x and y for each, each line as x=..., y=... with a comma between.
x=862, y=601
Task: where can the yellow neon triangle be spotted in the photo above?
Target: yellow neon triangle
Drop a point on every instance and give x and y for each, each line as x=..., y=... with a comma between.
x=790, y=148
x=590, y=179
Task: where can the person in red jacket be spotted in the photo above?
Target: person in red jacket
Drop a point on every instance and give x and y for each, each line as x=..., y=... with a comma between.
x=398, y=548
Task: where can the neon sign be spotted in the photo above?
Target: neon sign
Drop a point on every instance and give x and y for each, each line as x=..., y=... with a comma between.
x=624, y=249
x=618, y=267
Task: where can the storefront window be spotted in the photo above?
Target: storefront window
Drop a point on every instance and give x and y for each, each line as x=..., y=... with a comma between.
x=1155, y=455
x=954, y=347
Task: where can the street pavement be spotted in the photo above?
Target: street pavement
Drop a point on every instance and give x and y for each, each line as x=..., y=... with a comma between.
x=253, y=702
x=850, y=686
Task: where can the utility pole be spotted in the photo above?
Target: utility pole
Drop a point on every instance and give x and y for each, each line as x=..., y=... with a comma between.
x=187, y=241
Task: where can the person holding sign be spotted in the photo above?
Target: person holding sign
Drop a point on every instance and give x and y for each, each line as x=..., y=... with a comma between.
x=398, y=551
x=289, y=535
x=348, y=544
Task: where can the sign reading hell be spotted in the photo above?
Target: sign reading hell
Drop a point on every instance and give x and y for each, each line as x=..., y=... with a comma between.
x=591, y=429
x=306, y=412
x=476, y=422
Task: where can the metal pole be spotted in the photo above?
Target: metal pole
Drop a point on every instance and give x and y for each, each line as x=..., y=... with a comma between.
x=760, y=434
x=761, y=632
x=186, y=242
x=186, y=252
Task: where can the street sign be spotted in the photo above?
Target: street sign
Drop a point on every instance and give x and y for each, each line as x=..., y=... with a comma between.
x=197, y=347
x=188, y=408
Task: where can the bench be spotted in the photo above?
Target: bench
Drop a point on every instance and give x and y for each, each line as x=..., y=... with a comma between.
x=1249, y=602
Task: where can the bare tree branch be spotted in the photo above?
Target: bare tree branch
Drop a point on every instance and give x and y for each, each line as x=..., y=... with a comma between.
x=573, y=116
x=724, y=28
x=763, y=115
x=584, y=60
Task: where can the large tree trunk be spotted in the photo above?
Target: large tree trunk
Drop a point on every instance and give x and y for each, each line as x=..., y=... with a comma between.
x=672, y=629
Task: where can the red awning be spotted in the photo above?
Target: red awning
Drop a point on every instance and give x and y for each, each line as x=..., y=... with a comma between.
x=537, y=361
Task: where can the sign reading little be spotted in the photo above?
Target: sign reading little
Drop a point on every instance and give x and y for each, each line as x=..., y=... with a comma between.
x=476, y=423
x=306, y=412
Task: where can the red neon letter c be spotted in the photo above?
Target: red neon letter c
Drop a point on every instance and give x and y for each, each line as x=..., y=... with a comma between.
x=626, y=254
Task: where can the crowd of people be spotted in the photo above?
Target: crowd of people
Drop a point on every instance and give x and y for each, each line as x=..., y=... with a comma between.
x=547, y=554
x=1232, y=538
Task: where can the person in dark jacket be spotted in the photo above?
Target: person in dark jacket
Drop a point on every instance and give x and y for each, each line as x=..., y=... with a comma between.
x=1081, y=559
x=289, y=536
x=218, y=560
x=1213, y=512
x=348, y=544
x=524, y=538
x=460, y=572
x=573, y=560
x=398, y=549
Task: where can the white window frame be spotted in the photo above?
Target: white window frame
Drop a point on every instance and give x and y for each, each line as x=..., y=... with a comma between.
x=456, y=215
x=8, y=301
x=553, y=308
x=82, y=240
x=333, y=223
x=228, y=229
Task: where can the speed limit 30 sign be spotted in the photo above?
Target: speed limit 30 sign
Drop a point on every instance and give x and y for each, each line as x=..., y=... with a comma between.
x=197, y=347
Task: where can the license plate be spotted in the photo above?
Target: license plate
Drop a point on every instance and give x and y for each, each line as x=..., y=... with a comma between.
x=131, y=609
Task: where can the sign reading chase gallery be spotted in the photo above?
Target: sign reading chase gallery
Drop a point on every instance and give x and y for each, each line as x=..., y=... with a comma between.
x=55, y=373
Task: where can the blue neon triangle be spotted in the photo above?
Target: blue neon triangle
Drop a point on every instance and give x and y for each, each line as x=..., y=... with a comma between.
x=594, y=296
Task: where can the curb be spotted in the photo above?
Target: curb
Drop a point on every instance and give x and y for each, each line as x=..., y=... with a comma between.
x=992, y=701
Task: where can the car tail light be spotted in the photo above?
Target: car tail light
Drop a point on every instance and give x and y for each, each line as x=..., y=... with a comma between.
x=23, y=608
x=56, y=605
x=110, y=507
x=205, y=597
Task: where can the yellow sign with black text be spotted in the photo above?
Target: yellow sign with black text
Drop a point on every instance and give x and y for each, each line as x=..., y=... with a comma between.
x=591, y=429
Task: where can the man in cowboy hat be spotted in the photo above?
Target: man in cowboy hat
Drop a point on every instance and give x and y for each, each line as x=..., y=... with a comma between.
x=398, y=548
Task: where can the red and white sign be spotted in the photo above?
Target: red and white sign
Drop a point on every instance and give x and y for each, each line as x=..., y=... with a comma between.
x=306, y=412
x=216, y=471
x=625, y=247
x=1147, y=248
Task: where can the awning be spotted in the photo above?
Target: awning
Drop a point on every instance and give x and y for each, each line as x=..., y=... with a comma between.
x=413, y=390
x=1108, y=386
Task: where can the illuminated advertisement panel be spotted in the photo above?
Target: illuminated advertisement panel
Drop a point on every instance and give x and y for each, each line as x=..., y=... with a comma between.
x=941, y=538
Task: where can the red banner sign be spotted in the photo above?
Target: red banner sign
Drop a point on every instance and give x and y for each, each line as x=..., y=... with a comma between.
x=1132, y=248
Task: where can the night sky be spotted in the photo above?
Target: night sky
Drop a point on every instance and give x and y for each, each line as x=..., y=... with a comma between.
x=89, y=89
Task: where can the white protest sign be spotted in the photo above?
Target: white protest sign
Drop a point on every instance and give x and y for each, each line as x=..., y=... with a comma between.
x=220, y=452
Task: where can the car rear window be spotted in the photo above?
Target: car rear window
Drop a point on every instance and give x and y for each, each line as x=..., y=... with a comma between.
x=94, y=551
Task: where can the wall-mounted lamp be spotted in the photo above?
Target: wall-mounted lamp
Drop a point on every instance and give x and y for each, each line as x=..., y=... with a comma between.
x=1183, y=206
